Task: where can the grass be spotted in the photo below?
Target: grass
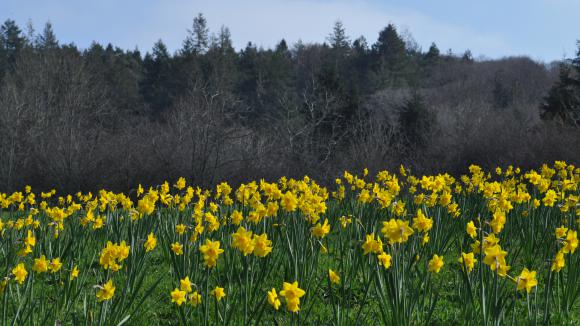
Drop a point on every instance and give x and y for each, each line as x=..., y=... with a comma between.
x=406, y=292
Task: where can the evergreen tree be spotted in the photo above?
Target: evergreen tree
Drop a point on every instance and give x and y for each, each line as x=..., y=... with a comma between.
x=222, y=59
x=281, y=71
x=335, y=59
x=338, y=38
x=428, y=62
x=47, y=40
x=563, y=100
x=282, y=47
x=121, y=72
x=433, y=53
x=197, y=40
x=12, y=39
x=360, y=66
x=3, y=59
x=160, y=52
x=390, y=57
x=224, y=41
x=390, y=45
x=250, y=85
x=576, y=62
x=360, y=45
x=415, y=122
x=156, y=86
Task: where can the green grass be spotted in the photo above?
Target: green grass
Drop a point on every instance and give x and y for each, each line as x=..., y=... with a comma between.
x=406, y=293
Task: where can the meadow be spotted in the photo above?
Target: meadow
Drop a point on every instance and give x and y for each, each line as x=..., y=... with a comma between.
x=485, y=248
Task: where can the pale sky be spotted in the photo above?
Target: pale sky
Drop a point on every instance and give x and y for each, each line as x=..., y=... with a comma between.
x=542, y=29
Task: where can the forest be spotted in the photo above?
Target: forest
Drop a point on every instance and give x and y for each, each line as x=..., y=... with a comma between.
x=83, y=119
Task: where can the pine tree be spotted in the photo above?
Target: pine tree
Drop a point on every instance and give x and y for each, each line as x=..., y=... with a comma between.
x=12, y=39
x=360, y=45
x=160, y=53
x=282, y=46
x=221, y=63
x=47, y=40
x=428, y=61
x=281, y=69
x=390, y=45
x=433, y=53
x=224, y=40
x=563, y=100
x=3, y=59
x=156, y=85
x=250, y=76
x=338, y=38
x=360, y=63
x=390, y=57
x=415, y=122
x=197, y=40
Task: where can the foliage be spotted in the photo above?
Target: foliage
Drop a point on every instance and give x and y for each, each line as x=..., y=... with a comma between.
x=563, y=100
x=492, y=247
x=67, y=115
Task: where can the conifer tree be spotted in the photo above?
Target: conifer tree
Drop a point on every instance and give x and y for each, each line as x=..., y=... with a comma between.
x=12, y=39
x=562, y=103
x=197, y=40
x=156, y=85
x=433, y=53
x=390, y=45
x=390, y=57
x=47, y=40
x=338, y=38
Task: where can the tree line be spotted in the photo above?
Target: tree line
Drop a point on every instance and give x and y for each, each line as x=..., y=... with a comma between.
x=80, y=119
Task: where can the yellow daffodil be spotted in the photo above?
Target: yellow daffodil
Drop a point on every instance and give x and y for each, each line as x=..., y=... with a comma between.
x=74, y=273
x=467, y=261
x=471, y=229
x=273, y=299
x=372, y=245
x=384, y=260
x=195, y=299
x=436, y=263
x=320, y=230
x=106, y=292
x=218, y=293
x=40, y=265
x=20, y=273
x=262, y=245
x=55, y=265
x=150, y=243
x=333, y=276
x=178, y=296
x=242, y=240
x=210, y=251
x=292, y=294
x=526, y=280
x=177, y=248
x=185, y=285
x=396, y=231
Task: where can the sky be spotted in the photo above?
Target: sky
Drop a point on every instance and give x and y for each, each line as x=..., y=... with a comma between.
x=545, y=30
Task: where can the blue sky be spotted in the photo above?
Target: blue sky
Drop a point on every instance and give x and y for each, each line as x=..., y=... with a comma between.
x=543, y=29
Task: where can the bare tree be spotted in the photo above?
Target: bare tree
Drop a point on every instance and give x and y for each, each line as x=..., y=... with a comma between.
x=56, y=112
